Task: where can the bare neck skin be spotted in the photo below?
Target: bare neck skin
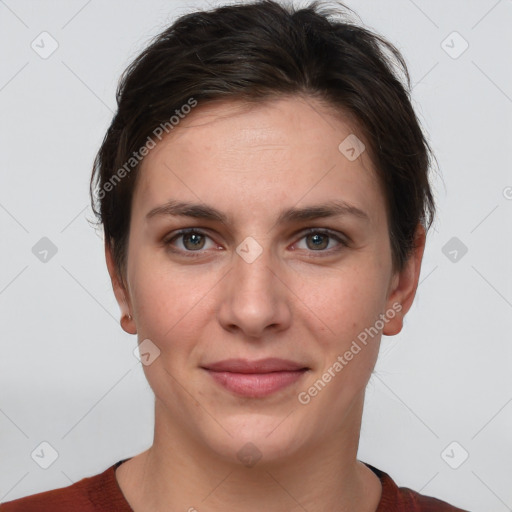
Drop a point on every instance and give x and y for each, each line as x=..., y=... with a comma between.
x=177, y=473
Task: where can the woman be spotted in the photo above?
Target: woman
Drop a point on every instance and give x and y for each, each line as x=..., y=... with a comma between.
x=264, y=193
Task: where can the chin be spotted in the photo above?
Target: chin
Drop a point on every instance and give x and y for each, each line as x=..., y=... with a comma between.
x=257, y=441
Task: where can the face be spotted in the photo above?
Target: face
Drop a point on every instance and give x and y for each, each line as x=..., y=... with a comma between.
x=286, y=254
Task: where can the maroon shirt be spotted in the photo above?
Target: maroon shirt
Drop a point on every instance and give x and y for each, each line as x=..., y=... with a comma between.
x=101, y=493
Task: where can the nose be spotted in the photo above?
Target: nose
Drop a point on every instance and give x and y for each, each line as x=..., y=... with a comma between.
x=255, y=300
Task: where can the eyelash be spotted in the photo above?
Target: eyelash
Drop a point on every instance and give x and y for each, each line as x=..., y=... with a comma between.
x=194, y=254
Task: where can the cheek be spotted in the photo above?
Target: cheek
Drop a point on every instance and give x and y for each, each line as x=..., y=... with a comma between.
x=348, y=305
x=344, y=301
x=169, y=303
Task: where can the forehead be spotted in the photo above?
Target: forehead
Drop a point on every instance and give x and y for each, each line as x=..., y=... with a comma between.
x=241, y=156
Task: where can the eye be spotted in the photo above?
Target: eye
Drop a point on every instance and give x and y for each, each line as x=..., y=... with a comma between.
x=193, y=242
x=189, y=241
x=317, y=240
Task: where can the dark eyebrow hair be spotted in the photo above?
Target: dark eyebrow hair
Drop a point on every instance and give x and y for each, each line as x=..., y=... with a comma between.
x=203, y=211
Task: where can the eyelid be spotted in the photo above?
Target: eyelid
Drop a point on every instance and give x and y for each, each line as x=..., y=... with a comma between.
x=327, y=231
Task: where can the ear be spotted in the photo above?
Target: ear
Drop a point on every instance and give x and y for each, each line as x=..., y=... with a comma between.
x=404, y=284
x=122, y=297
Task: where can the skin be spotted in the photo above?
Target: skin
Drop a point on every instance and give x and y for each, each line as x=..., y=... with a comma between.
x=295, y=301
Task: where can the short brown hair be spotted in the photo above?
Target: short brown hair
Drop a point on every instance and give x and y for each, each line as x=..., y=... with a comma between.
x=257, y=51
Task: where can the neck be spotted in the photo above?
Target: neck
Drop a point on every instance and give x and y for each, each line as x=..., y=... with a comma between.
x=178, y=473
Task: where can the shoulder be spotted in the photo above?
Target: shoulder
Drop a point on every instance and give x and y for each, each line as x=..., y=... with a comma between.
x=403, y=499
x=92, y=494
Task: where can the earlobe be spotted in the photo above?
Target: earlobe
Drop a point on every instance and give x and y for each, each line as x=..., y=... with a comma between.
x=404, y=286
x=122, y=297
x=128, y=324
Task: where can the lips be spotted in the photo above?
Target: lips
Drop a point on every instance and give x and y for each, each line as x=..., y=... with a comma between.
x=255, y=379
x=268, y=365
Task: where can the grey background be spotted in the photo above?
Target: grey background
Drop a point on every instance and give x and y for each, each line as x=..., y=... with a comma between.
x=68, y=375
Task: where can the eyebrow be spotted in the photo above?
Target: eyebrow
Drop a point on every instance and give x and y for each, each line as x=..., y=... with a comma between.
x=203, y=211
